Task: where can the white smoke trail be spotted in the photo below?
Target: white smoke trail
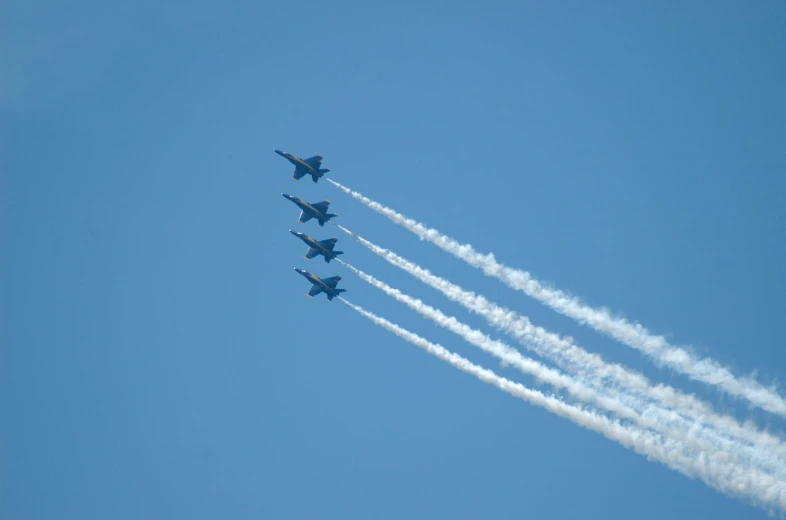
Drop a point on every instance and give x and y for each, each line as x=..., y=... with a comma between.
x=711, y=468
x=644, y=414
x=501, y=350
x=590, y=367
x=632, y=334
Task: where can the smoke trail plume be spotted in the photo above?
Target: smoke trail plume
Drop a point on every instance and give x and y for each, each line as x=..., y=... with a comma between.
x=634, y=335
x=761, y=489
x=590, y=367
x=501, y=350
x=645, y=415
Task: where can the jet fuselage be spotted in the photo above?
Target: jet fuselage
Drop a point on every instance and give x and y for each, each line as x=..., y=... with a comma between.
x=321, y=285
x=302, y=204
x=297, y=161
x=317, y=247
x=311, y=210
x=310, y=166
x=309, y=241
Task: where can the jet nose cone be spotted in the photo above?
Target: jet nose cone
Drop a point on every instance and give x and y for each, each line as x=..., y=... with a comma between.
x=279, y=152
x=294, y=233
x=286, y=196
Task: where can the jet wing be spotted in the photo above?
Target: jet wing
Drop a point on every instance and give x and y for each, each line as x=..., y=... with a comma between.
x=299, y=173
x=312, y=252
x=329, y=244
x=332, y=281
x=315, y=289
x=305, y=217
x=314, y=162
x=321, y=206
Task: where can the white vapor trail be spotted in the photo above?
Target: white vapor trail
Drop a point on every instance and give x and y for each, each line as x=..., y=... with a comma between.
x=632, y=334
x=710, y=467
x=501, y=350
x=644, y=414
x=588, y=366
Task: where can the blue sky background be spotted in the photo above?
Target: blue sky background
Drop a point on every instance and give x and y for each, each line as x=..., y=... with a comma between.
x=159, y=358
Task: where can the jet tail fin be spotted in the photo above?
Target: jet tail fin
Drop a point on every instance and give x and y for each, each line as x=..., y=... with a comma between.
x=338, y=291
x=328, y=217
x=319, y=173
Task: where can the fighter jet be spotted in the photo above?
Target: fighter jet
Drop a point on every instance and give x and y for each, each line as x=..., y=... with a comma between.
x=327, y=286
x=321, y=247
x=317, y=210
x=310, y=166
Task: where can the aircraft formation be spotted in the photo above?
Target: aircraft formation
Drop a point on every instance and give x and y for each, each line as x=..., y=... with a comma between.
x=319, y=212
x=737, y=458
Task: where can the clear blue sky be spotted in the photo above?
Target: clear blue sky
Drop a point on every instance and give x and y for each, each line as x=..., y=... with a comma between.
x=158, y=357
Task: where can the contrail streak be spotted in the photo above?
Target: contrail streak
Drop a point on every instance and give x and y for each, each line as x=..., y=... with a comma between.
x=644, y=414
x=575, y=359
x=632, y=334
x=710, y=467
x=501, y=350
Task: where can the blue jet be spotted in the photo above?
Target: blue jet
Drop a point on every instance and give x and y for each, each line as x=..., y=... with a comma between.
x=319, y=247
x=327, y=286
x=310, y=166
x=317, y=210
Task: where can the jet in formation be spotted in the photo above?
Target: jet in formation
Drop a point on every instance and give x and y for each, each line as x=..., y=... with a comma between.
x=319, y=247
x=317, y=210
x=327, y=286
x=310, y=166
